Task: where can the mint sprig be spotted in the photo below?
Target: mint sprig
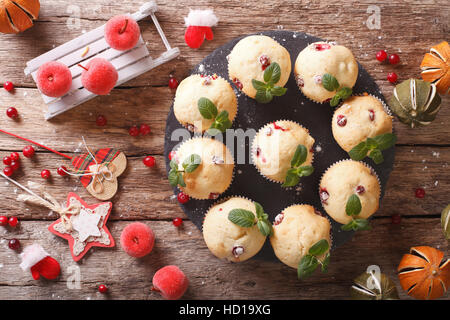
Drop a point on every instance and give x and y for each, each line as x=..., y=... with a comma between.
x=297, y=170
x=246, y=219
x=208, y=110
x=265, y=91
x=309, y=263
x=372, y=147
x=330, y=83
x=190, y=164
x=353, y=208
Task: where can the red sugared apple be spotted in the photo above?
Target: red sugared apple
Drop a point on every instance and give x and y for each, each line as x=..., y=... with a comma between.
x=171, y=282
x=54, y=79
x=99, y=76
x=122, y=32
x=137, y=239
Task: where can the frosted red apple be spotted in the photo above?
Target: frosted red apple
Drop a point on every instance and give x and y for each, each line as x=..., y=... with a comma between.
x=170, y=282
x=99, y=76
x=137, y=239
x=54, y=79
x=122, y=33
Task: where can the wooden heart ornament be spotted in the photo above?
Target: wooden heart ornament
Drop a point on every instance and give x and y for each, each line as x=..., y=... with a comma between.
x=98, y=171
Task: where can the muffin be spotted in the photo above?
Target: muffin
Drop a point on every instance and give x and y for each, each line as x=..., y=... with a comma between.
x=215, y=172
x=274, y=147
x=227, y=240
x=194, y=87
x=251, y=56
x=346, y=178
x=359, y=118
x=296, y=230
x=318, y=59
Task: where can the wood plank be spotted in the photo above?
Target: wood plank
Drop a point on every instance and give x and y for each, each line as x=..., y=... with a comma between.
x=145, y=193
x=210, y=278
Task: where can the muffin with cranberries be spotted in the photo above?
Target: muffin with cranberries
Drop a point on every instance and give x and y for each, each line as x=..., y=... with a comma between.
x=345, y=180
x=227, y=240
x=275, y=145
x=195, y=87
x=205, y=166
x=318, y=59
x=295, y=230
x=359, y=118
x=249, y=59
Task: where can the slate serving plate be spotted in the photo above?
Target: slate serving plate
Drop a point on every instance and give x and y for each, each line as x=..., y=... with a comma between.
x=292, y=106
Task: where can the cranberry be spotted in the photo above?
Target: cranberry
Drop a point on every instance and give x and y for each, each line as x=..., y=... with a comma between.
x=420, y=193
x=101, y=121
x=144, y=129
x=172, y=155
x=8, y=171
x=28, y=152
x=324, y=195
x=7, y=161
x=102, y=288
x=13, y=221
x=62, y=171
x=278, y=219
x=322, y=46
x=12, y=113
x=265, y=61
x=173, y=83
x=213, y=195
x=14, y=244
x=190, y=127
x=134, y=131
x=394, y=58
x=3, y=221
x=8, y=85
x=177, y=222
x=396, y=218
x=319, y=213
x=360, y=189
x=238, y=83
x=341, y=120
x=237, y=251
x=15, y=165
x=277, y=127
x=392, y=77
x=381, y=55
x=182, y=198
x=15, y=156
x=258, y=151
x=300, y=82
x=371, y=115
x=45, y=174
x=149, y=161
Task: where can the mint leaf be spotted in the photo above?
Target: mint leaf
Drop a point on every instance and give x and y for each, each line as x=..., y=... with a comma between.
x=259, y=209
x=278, y=91
x=222, y=116
x=329, y=82
x=272, y=73
x=335, y=100
x=385, y=141
x=173, y=165
x=191, y=162
x=348, y=226
x=345, y=92
x=207, y=108
x=181, y=180
x=359, y=152
x=300, y=155
x=173, y=178
x=242, y=218
x=259, y=85
x=353, y=206
x=361, y=224
x=319, y=248
x=263, y=96
x=305, y=171
x=306, y=266
x=292, y=178
x=213, y=131
x=376, y=156
x=264, y=227
x=371, y=143
x=325, y=263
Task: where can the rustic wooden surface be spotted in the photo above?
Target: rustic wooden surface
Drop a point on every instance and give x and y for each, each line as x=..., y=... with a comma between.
x=408, y=28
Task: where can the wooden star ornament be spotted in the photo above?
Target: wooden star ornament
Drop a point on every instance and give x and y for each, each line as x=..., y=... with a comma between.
x=85, y=230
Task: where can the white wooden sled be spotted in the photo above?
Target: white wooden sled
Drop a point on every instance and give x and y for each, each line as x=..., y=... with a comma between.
x=129, y=64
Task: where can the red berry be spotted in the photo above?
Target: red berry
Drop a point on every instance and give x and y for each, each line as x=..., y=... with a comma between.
x=102, y=288
x=62, y=171
x=101, y=121
x=177, y=222
x=394, y=58
x=420, y=193
x=12, y=113
x=371, y=115
x=15, y=156
x=173, y=83
x=341, y=120
x=396, y=218
x=149, y=161
x=8, y=171
x=324, y=195
x=7, y=161
x=144, y=129
x=14, y=244
x=45, y=174
x=172, y=155
x=392, y=77
x=134, y=131
x=3, y=221
x=8, y=85
x=265, y=61
x=13, y=221
x=15, y=165
x=381, y=55
x=28, y=152
x=322, y=46
x=182, y=197
x=238, y=83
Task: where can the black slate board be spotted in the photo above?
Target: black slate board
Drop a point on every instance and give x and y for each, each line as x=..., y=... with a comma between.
x=292, y=106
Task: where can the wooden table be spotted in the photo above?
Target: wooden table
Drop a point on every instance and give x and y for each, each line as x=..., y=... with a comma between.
x=408, y=28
